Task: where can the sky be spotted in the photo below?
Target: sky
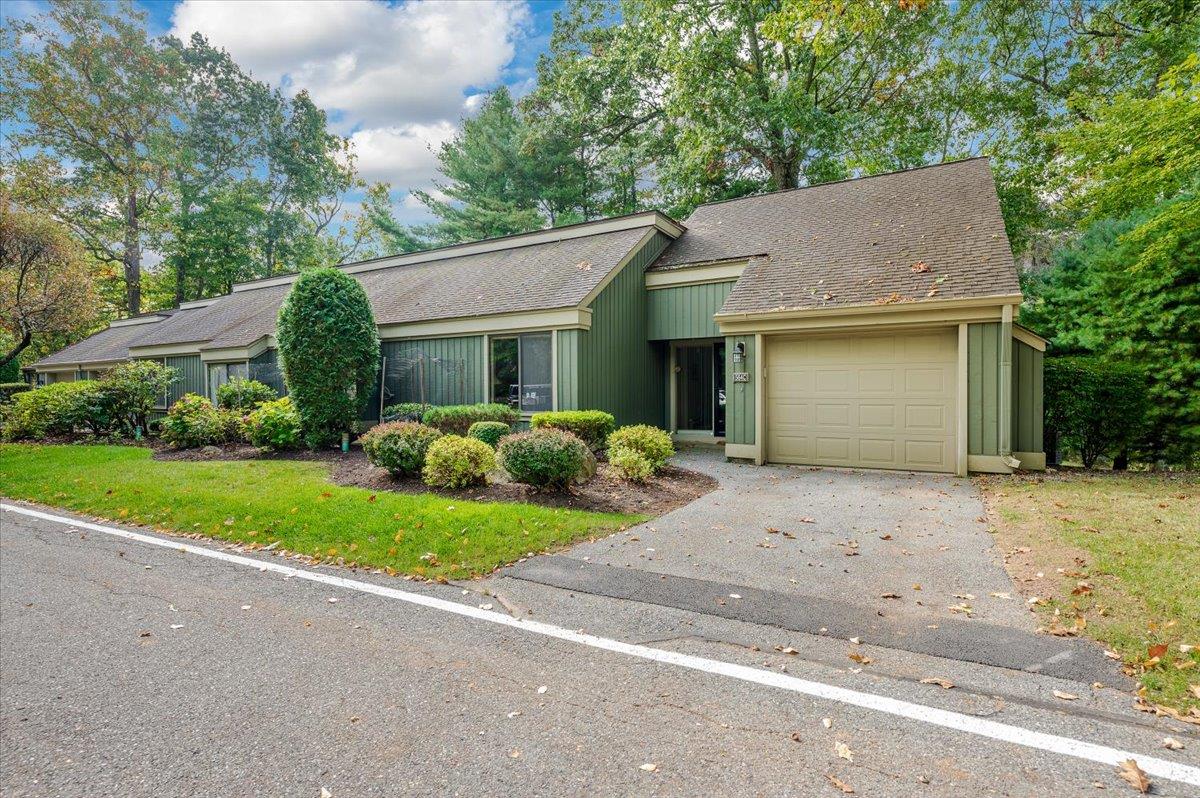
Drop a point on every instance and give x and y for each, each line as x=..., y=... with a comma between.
x=396, y=77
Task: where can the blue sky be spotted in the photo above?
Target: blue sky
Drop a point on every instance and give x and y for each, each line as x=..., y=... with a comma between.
x=396, y=77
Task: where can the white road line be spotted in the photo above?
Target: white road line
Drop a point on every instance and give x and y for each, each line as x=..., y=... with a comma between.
x=1017, y=735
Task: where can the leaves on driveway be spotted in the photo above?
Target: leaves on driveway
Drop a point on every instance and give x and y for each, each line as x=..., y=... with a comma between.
x=841, y=785
x=945, y=684
x=1134, y=776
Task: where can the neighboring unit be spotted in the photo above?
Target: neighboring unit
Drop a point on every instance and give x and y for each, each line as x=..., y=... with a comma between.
x=865, y=323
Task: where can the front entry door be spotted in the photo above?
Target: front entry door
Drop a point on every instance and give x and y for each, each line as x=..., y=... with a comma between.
x=700, y=388
x=719, y=390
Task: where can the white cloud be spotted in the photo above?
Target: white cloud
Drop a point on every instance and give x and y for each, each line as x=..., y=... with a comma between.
x=396, y=77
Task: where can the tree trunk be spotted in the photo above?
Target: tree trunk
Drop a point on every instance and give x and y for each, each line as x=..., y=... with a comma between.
x=18, y=349
x=1121, y=461
x=132, y=257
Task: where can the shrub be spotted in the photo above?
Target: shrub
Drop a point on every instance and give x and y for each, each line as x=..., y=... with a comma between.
x=545, y=457
x=274, y=425
x=56, y=409
x=133, y=389
x=490, y=432
x=591, y=426
x=630, y=464
x=457, y=419
x=405, y=411
x=651, y=443
x=329, y=351
x=456, y=462
x=10, y=389
x=244, y=395
x=1094, y=407
x=193, y=422
x=399, y=446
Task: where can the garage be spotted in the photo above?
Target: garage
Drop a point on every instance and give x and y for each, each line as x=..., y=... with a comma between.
x=868, y=400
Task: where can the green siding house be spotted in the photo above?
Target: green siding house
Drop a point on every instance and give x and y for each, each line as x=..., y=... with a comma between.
x=865, y=323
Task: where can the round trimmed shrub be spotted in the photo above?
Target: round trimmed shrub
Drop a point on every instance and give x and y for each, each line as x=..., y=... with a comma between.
x=274, y=425
x=457, y=419
x=193, y=421
x=399, y=446
x=490, y=432
x=456, y=462
x=545, y=457
x=631, y=465
x=244, y=395
x=591, y=426
x=650, y=442
x=329, y=351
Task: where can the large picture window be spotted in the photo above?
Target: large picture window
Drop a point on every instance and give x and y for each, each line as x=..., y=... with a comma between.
x=521, y=372
x=221, y=373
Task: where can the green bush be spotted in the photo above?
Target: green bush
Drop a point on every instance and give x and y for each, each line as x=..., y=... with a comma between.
x=10, y=389
x=490, y=432
x=56, y=409
x=329, y=352
x=545, y=457
x=399, y=446
x=651, y=443
x=274, y=425
x=630, y=464
x=244, y=395
x=133, y=388
x=591, y=426
x=193, y=421
x=456, y=462
x=405, y=411
x=457, y=419
x=1093, y=408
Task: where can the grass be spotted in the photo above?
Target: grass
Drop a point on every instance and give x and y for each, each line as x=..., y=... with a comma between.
x=1120, y=562
x=293, y=503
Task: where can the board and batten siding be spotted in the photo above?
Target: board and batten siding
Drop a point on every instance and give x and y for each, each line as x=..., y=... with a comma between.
x=437, y=371
x=193, y=378
x=983, y=388
x=567, y=368
x=618, y=368
x=1026, y=398
x=686, y=311
x=739, y=396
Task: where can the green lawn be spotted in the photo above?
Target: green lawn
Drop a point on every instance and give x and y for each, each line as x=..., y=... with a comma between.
x=1122, y=552
x=292, y=502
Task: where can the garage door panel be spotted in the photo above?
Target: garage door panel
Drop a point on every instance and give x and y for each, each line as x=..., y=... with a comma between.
x=873, y=400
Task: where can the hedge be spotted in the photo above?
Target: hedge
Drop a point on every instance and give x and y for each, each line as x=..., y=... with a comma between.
x=244, y=395
x=1094, y=407
x=457, y=419
x=591, y=426
x=10, y=389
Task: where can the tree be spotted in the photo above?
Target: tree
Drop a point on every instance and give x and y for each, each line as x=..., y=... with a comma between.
x=96, y=94
x=329, y=351
x=45, y=286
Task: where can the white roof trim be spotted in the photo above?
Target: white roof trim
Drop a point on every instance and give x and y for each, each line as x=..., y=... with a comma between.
x=131, y=322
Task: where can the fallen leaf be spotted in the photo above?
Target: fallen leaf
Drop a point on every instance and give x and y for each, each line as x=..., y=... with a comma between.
x=843, y=751
x=789, y=650
x=945, y=684
x=796, y=737
x=1184, y=648
x=1134, y=776
x=1172, y=744
x=1157, y=651
x=861, y=659
x=1194, y=689
x=920, y=267
x=1065, y=696
x=541, y=689
x=827, y=723
x=841, y=785
x=807, y=520
x=649, y=767
x=326, y=793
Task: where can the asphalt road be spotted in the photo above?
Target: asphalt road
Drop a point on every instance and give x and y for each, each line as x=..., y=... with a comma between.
x=132, y=669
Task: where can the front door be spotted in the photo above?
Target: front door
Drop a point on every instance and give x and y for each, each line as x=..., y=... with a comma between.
x=700, y=388
x=719, y=390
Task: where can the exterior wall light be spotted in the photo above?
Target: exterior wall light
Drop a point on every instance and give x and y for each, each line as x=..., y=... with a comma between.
x=739, y=353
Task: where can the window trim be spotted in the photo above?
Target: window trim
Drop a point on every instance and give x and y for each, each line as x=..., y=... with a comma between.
x=516, y=334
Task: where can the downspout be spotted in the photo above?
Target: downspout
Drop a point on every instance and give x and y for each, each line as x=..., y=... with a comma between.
x=1005, y=383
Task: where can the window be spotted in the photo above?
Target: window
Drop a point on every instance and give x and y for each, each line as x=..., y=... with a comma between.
x=221, y=373
x=521, y=372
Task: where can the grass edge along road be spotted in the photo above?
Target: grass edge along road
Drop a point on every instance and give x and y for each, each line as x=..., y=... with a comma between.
x=291, y=503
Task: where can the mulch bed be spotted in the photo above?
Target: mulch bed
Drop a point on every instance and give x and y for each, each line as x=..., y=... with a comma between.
x=606, y=492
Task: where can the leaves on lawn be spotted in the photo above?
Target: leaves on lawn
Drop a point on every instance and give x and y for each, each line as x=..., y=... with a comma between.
x=1134, y=776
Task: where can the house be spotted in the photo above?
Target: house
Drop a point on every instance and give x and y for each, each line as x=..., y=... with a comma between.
x=865, y=323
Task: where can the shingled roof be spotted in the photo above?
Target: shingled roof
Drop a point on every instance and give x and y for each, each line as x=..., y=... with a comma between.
x=108, y=345
x=925, y=234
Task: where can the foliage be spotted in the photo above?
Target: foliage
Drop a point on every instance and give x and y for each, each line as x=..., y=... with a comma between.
x=650, y=442
x=490, y=432
x=135, y=387
x=10, y=389
x=54, y=410
x=244, y=395
x=592, y=426
x=45, y=284
x=193, y=421
x=457, y=419
x=1094, y=408
x=328, y=350
x=544, y=457
x=294, y=505
x=274, y=425
x=405, y=411
x=456, y=462
x=631, y=465
x=10, y=371
x=399, y=446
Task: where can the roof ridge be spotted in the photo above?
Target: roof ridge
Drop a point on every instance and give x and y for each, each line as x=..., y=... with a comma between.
x=843, y=180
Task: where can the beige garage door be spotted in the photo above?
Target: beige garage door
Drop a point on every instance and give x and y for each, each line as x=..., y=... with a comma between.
x=868, y=400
